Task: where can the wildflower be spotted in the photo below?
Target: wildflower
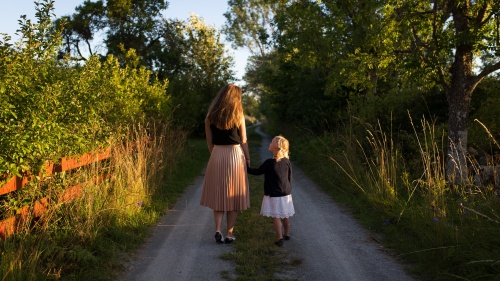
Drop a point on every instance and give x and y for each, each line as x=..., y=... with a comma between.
x=387, y=221
x=139, y=203
x=436, y=219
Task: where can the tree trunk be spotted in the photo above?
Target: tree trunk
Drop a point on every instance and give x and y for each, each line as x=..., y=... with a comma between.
x=459, y=97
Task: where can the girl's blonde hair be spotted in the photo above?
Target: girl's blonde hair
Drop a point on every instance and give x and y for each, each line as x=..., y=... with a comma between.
x=226, y=110
x=283, y=146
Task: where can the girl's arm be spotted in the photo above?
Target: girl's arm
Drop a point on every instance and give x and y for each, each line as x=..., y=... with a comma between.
x=259, y=171
x=208, y=136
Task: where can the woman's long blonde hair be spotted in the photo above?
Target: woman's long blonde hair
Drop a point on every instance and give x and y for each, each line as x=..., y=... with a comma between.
x=226, y=110
x=283, y=146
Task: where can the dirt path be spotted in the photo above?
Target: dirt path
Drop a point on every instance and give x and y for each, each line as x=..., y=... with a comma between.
x=182, y=246
x=331, y=245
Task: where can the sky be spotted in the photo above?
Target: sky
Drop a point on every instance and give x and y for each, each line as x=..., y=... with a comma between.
x=210, y=10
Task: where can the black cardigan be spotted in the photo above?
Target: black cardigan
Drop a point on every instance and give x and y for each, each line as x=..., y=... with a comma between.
x=277, y=177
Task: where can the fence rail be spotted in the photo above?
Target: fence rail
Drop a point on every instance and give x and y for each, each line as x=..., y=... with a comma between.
x=8, y=226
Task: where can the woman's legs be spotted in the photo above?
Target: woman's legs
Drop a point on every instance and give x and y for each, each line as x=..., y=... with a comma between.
x=231, y=221
x=218, y=216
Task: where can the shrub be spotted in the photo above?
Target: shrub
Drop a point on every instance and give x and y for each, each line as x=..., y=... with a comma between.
x=50, y=107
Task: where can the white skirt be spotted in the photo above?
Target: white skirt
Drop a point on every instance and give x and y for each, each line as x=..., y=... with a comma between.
x=277, y=207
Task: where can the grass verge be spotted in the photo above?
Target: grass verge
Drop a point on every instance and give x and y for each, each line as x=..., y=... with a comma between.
x=442, y=231
x=185, y=170
x=86, y=238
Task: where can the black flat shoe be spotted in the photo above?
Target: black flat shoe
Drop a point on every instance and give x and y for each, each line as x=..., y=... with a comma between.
x=229, y=240
x=286, y=237
x=279, y=243
x=218, y=237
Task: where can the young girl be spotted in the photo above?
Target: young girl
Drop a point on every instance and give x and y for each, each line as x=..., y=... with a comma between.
x=277, y=202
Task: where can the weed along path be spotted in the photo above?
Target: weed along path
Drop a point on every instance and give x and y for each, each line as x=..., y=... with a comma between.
x=330, y=244
x=325, y=240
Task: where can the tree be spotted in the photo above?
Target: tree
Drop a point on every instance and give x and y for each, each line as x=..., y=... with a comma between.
x=326, y=49
x=206, y=68
x=135, y=24
x=249, y=24
x=81, y=28
x=189, y=54
x=124, y=25
x=369, y=48
x=51, y=108
x=447, y=38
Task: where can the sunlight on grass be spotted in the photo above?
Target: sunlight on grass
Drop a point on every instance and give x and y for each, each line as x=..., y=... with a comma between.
x=399, y=189
x=83, y=239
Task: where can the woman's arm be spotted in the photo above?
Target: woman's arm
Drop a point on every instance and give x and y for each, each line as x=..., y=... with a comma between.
x=244, y=143
x=208, y=136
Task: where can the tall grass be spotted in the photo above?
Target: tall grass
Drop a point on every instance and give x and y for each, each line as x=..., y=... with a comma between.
x=382, y=159
x=396, y=184
x=83, y=239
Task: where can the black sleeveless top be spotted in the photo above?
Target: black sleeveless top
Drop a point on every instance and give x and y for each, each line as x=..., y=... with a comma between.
x=225, y=137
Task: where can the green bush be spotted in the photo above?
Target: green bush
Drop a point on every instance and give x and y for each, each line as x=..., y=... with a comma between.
x=50, y=107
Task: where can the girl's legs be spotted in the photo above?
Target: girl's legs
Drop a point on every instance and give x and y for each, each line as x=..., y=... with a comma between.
x=277, y=228
x=286, y=226
x=218, y=216
x=231, y=221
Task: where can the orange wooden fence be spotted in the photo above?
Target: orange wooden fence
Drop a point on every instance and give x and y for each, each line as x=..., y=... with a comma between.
x=8, y=226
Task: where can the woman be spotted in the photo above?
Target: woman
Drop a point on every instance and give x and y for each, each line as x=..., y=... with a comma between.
x=225, y=187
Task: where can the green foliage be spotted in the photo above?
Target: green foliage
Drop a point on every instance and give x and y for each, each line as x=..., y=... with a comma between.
x=374, y=59
x=81, y=28
x=249, y=24
x=294, y=94
x=206, y=69
x=52, y=108
x=374, y=55
x=189, y=53
x=251, y=105
x=133, y=24
x=484, y=109
x=85, y=239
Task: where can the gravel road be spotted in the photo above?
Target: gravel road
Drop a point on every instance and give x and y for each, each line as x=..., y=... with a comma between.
x=330, y=243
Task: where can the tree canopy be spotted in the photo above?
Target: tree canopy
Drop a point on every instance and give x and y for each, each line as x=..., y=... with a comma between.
x=370, y=57
x=188, y=53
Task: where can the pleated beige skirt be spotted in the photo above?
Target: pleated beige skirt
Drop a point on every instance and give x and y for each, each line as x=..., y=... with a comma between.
x=225, y=187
